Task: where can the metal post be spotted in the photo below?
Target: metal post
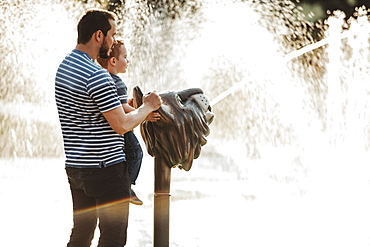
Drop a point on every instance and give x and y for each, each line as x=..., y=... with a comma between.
x=162, y=181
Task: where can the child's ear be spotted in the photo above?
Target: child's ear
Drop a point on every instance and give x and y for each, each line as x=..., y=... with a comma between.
x=112, y=61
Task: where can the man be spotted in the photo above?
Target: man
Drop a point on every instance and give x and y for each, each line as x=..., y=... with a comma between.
x=93, y=122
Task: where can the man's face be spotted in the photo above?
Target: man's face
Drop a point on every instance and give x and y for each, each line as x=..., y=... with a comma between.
x=109, y=40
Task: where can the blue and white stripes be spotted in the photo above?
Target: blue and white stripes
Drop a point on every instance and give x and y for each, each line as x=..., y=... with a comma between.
x=83, y=90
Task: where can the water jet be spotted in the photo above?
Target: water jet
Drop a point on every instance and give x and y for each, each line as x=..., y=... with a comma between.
x=293, y=129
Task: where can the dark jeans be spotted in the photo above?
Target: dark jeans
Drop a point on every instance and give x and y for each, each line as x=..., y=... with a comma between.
x=99, y=193
x=134, y=155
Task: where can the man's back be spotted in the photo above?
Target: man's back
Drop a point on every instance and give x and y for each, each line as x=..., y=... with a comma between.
x=83, y=90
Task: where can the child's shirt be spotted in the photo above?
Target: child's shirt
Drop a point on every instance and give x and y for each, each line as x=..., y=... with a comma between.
x=121, y=88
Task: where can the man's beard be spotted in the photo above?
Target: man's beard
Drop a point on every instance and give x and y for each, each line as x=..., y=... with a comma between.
x=104, y=50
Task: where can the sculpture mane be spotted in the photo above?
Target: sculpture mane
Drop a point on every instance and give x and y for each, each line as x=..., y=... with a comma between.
x=182, y=130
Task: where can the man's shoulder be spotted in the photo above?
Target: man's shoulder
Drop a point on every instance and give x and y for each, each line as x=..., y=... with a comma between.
x=80, y=62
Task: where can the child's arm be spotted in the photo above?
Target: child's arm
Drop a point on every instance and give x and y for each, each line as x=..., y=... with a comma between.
x=153, y=117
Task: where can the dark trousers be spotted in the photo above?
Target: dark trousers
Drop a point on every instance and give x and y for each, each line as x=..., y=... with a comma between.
x=134, y=155
x=99, y=193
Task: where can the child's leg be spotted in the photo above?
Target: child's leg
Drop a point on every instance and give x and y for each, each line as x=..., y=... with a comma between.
x=134, y=155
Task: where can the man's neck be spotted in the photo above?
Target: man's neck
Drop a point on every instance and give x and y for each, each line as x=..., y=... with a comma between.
x=89, y=49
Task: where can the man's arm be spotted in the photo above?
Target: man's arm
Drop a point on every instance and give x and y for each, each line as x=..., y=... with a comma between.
x=152, y=117
x=122, y=122
x=127, y=108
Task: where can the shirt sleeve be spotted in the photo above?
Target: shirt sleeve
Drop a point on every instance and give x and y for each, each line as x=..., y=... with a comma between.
x=122, y=91
x=102, y=90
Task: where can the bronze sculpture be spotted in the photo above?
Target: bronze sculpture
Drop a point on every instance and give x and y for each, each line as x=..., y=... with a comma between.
x=174, y=141
x=183, y=128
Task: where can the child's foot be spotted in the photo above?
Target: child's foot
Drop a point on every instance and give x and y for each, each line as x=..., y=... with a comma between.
x=134, y=199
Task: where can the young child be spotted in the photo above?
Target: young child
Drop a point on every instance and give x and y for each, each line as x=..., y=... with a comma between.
x=117, y=63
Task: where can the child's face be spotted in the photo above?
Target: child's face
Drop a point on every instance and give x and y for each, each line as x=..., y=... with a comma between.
x=122, y=60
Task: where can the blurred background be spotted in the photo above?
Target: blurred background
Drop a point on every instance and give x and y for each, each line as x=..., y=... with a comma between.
x=316, y=10
x=287, y=160
x=27, y=115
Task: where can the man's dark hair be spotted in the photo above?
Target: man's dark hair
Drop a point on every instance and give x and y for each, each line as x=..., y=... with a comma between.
x=94, y=20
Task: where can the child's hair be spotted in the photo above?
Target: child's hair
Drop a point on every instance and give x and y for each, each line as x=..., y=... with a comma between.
x=114, y=53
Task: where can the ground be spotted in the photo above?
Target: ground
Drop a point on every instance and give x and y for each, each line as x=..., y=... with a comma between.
x=210, y=205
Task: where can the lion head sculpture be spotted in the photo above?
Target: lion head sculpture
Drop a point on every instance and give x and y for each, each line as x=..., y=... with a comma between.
x=178, y=136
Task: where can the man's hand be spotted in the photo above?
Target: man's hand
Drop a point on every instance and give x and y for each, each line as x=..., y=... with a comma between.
x=122, y=122
x=152, y=100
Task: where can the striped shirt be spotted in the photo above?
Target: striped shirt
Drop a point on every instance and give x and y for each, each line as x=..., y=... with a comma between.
x=121, y=88
x=83, y=91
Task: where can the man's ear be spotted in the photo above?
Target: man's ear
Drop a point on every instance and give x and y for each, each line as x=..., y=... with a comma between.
x=99, y=36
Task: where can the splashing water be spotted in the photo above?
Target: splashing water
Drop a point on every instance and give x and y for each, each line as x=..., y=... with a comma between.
x=244, y=56
x=291, y=115
x=35, y=35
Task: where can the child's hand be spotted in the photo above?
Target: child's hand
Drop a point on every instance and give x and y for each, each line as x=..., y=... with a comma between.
x=131, y=102
x=153, y=117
